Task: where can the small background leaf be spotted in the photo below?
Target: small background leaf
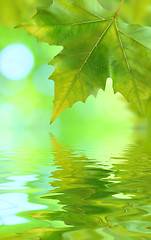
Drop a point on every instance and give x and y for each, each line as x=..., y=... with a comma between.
x=111, y=5
x=13, y=12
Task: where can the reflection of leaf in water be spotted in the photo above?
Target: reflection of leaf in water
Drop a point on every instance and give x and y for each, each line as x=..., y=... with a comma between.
x=83, y=194
x=87, y=196
x=20, y=237
x=74, y=185
x=78, y=189
x=135, y=177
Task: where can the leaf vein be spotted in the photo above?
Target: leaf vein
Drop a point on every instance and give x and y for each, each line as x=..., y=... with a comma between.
x=71, y=24
x=88, y=11
x=132, y=38
x=85, y=61
x=128, y=67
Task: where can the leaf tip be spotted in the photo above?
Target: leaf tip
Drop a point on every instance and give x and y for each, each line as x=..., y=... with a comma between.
x=51, y=121
x=53, y=118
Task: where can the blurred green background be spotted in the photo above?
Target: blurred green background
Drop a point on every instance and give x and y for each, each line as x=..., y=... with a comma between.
x=27, y=95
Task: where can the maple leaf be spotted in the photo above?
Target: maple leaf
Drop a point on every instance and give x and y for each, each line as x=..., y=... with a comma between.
x=97, y=45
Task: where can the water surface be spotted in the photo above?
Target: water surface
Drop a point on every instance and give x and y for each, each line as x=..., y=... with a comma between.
x=52, y=190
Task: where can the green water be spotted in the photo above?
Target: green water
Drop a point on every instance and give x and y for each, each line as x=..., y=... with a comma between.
x=97, y=189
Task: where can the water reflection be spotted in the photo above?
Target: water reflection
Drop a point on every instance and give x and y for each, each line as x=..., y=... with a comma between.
x=76, y=198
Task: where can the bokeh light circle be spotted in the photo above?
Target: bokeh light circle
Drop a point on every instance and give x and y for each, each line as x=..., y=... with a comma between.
x=16, y=61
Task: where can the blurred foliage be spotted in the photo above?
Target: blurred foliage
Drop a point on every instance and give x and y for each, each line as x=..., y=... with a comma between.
x=13, y=12
x=132, y=11
x=137, y=12
x=111, y=5
x=27, y=95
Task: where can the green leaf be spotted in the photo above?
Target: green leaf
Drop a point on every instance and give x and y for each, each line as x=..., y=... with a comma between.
x=111, y=5
x=97, y=45
x=132, y=11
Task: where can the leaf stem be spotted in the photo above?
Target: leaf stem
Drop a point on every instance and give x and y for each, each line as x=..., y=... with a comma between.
x=118, y=9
